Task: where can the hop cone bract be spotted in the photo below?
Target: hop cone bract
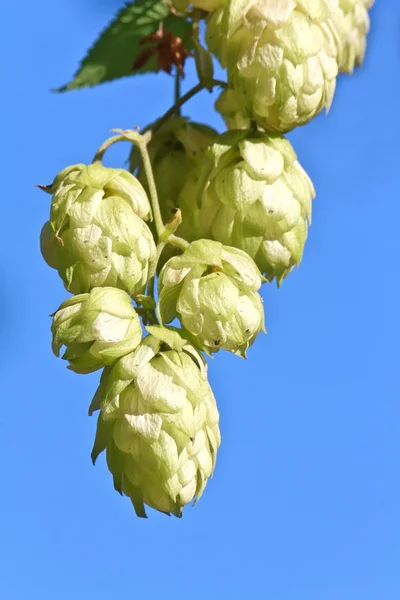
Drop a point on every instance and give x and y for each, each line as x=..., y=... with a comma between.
x=352, y=22
x=256, y=196
x=158, y=423
x=96, y=328
x=282, y=58
x=212, y=289
x=95, y=236
x=228, y=106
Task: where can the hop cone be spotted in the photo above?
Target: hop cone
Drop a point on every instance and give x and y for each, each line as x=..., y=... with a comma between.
x=176, y=153
x=212, y=289
x=95, y=236
x=96, y=328
x=228, y=106
x=352, y=22
x=282, y=58
x=257, y=197
x=158, y=423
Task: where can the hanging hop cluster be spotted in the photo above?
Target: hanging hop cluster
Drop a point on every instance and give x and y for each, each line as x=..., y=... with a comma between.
x=227, y=213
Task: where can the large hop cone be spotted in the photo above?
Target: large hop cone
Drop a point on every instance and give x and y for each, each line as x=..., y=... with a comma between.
x=352, y=22
x=96, y=329
x=176, y=153
x=95, y=236
x=213, y=290
x=158, y=423
x=282, y=58
x=256, y=196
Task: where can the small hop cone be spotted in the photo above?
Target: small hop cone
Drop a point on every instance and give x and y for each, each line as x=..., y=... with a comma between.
x=352, y=21
x=282, y=58
x=158, y=423
x=96, y=328
x=176, y=153
x=255, y=195
x=228, y=106
x=212, y=289
x=96, y=235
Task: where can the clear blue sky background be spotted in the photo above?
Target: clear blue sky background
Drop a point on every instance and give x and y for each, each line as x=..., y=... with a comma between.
x=305, y=502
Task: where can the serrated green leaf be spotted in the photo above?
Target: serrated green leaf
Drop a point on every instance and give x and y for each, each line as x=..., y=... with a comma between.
x=113, y=54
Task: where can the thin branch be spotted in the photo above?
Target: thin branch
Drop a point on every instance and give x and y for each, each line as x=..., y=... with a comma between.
x=207, y=84
x=177, y=242
x=148, y=169
x=177, y=91
x=98, y=157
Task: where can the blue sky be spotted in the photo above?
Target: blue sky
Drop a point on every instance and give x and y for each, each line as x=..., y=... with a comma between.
x=305, y=500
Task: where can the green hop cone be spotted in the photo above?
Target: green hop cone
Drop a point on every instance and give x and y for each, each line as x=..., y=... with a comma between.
x=96, y=328
x=282, y=58
x=95, y=236
x=256, y=196
x=212, y=289
x=176, y=153
x=352, y=22
x=158, y=423
x=228, y=106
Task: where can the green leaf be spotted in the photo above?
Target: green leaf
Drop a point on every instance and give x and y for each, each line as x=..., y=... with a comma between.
x=113, y=54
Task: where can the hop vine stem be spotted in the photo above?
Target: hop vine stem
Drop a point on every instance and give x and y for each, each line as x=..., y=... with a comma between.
x=100, y=152
x=202, y=85
x=141, y=141
x=177, y=90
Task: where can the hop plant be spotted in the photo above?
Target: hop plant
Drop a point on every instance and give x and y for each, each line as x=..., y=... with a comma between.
x=158, y=423
x=96, y=328
x=282, y=58
x=230, y=212
x=228, y=106
x=176, y=153
x=95, y=236
x=212, y=289
x=352, y=22
x=256, y=196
